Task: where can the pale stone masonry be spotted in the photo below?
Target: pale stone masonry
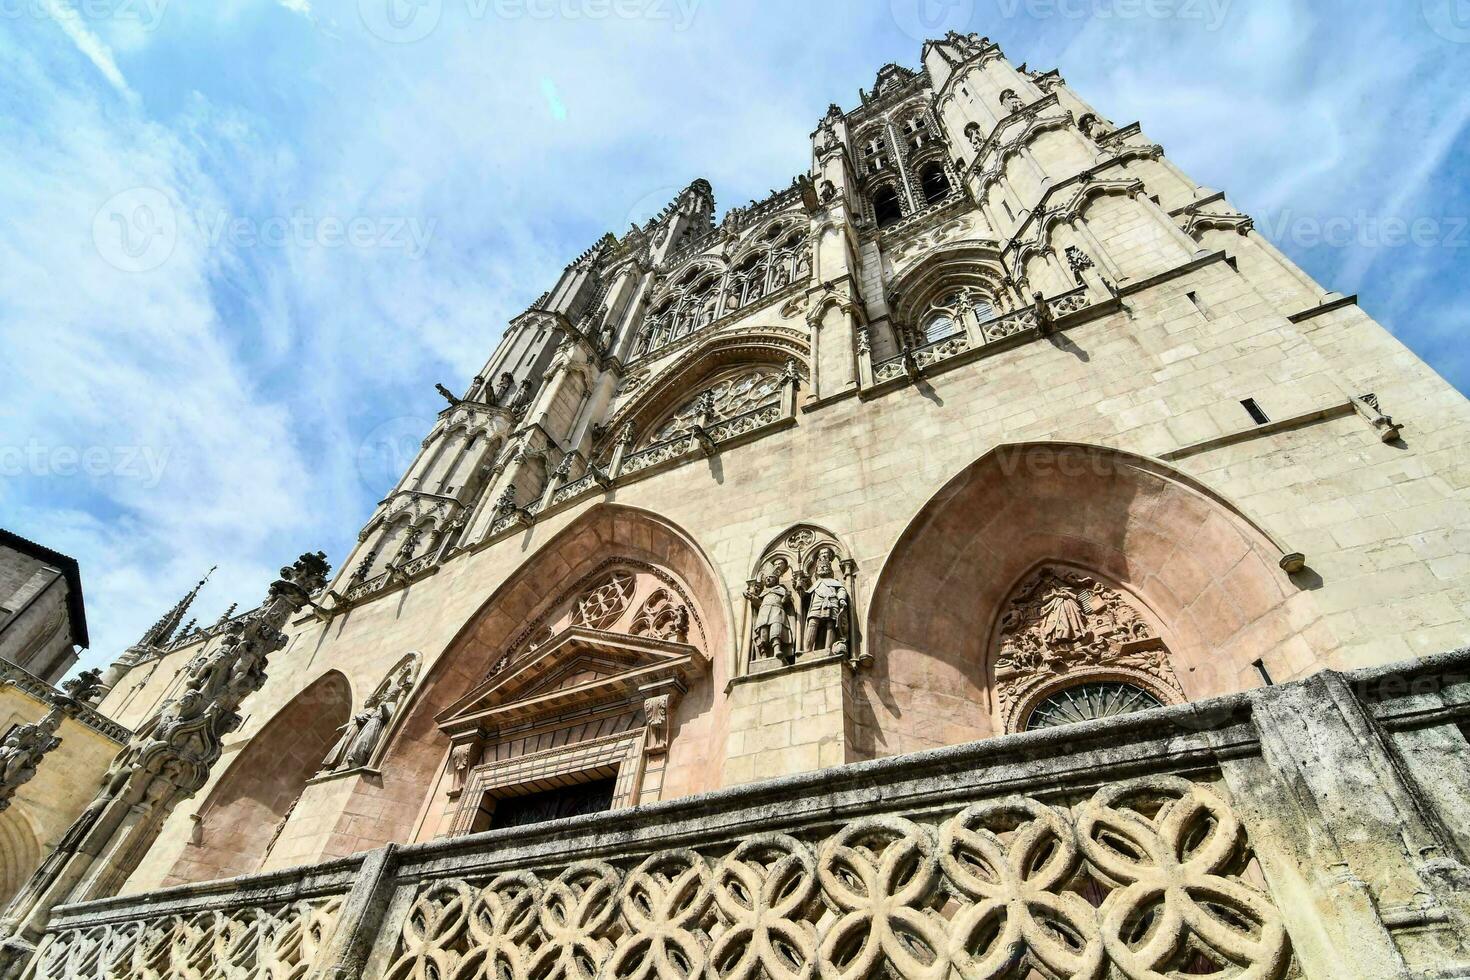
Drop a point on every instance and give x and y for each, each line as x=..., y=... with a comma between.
x=995, y=438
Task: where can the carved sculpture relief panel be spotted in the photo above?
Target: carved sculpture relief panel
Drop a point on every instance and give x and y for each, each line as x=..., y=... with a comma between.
x=1063, y=629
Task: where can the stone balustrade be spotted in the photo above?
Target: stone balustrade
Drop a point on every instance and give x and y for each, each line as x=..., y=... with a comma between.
x=1263, y=835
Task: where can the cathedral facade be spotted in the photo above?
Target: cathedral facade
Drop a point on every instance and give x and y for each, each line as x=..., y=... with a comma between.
x=988, y=554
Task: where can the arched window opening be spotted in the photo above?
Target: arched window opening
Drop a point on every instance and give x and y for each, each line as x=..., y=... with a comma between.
x=1089, y=701
x=949, y=313
x=934, y=183
x=886, y=207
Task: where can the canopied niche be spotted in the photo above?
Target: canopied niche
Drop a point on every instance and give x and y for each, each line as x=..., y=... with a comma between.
x=801, y=603
x=614, y=612
x=1201, y=576
x=1069, y=646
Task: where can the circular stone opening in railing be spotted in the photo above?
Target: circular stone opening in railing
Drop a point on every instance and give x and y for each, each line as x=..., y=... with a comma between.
x=1089, y=701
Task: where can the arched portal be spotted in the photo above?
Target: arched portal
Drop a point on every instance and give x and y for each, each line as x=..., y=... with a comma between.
x=1190, y=564
x=239, y=821
x=20, y=852
x=593, y=604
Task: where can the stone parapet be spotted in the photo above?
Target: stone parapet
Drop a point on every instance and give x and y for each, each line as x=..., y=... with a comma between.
x=1276, y=832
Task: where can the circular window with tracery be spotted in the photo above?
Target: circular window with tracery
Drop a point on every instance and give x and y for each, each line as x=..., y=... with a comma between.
x=1088, y=702
x=600, y=606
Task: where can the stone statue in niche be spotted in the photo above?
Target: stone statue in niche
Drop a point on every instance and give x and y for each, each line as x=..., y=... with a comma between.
x=1011, y=101
x=802, y=600
x=827, y=603
x=361, y=736
x=1061, y=623
x=773, y=636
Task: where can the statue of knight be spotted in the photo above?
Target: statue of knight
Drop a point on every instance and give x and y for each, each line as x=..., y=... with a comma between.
x=826, y=608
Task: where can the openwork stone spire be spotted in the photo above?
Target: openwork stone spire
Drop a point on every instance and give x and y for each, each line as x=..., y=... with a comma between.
x=163, y=630
x=168, y=760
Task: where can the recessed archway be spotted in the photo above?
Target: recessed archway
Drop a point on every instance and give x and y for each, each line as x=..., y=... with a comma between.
x=396, y=805
x=1210, y=575
x=239, y=821
x=20, y=852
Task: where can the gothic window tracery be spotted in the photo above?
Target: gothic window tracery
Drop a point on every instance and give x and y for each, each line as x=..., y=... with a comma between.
x=603, y=604
x=1089, y=701
x=736, y=393
x=951, y=312
x=1069, y=646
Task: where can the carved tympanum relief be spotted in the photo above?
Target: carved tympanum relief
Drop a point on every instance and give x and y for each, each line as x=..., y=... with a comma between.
x=733, y=394
x=620, y=596
x=801, y=600
x=365, y=732
x=1062, y=628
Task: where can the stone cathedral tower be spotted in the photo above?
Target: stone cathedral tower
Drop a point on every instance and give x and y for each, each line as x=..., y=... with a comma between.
x=1048, y=573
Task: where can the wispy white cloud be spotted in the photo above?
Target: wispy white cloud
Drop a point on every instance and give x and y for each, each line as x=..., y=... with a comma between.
x=89, y=44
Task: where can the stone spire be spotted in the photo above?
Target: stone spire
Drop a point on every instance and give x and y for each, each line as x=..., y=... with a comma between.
x=163, y=630
x=168, y=760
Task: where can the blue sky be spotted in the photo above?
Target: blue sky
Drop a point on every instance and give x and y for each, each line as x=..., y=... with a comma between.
x=240, y=240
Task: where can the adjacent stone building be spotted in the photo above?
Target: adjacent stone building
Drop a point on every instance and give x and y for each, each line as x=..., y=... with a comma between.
x=993, y=435
x=42, y=618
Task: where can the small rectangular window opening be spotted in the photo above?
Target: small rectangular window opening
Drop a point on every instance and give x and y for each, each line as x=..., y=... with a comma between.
x=1257, y=416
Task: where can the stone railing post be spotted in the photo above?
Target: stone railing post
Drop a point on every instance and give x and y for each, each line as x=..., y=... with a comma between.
x=361, y=916
x=1338, y=824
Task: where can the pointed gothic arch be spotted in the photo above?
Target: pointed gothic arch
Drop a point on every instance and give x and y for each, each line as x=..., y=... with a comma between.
x=503, y=641
x=681, y=379
x=238, y=823
x=1209, y=574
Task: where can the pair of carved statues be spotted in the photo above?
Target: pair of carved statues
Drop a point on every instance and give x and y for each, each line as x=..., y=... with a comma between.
x=801, y=602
